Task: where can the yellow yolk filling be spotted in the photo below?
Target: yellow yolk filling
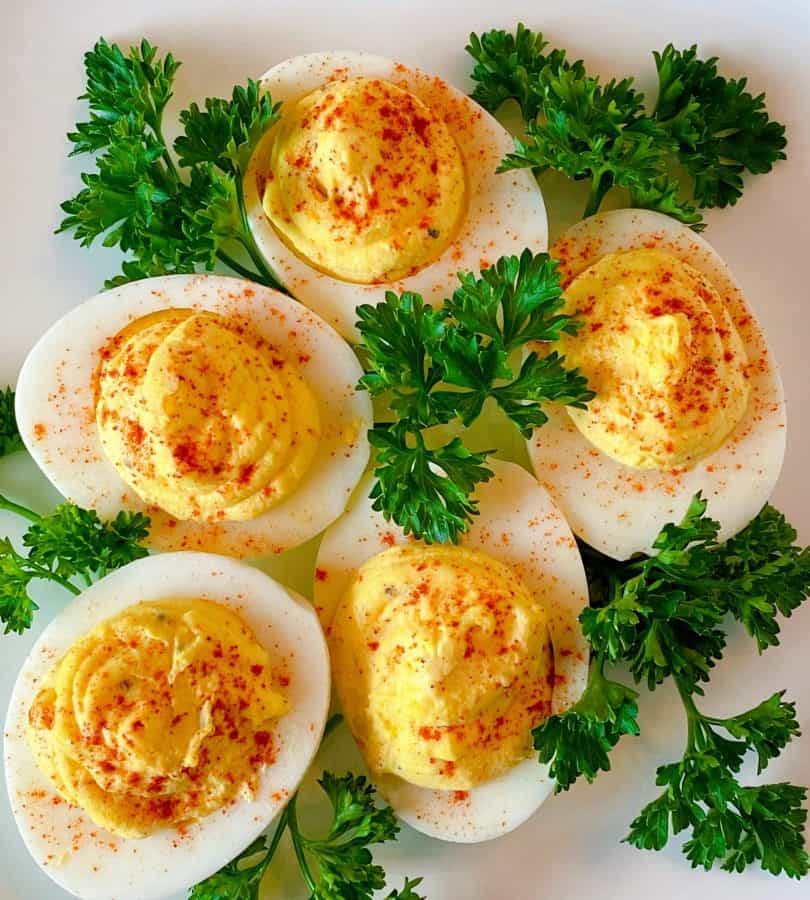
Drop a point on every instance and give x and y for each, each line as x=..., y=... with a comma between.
x=442, y=662
x=365, y=181
x=158, y=716
x=662, y=353
x=203, y=419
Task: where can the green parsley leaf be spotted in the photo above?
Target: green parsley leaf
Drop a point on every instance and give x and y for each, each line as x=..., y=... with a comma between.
x=134, y=199
x=577, y=743
x=224, y=133
x=662, y=614
x=344, y=866
x=240, y=879
x=766, y=729
x=217, y=144
x=400, y=336
x=134, y=202
x=598, y=132
x=516, y=301
x=721, y=129
x=467, y=361
x=353, y=804
x=16, y=605
x=70, y=543
x=10, y=440
x=731, y=824
x=428, y=493
x=135, y=87
x=507, y=67
x=439, y=365
x=663, y=194
x=407, y=892
x=541, y=379
x=212, y=217
x=137, y=199
x=73, y=541
x=585, y=129
x=762, y=573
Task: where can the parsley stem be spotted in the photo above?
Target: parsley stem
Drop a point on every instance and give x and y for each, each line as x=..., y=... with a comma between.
x=170, y=166
x=599, y=187
x=250, y=244
x=290, y=819
x=298, y=845
x=276, y=839
x=237, y=267
x=596, y=672
x=46, y=574
x=692, y=713
x=331, y=725
x=23, y=511
x=167, y=158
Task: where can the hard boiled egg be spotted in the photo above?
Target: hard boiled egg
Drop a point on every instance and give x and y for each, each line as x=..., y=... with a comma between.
x=701, y=369
x=382, y=176
x=95, y=864
x=520, y=527
x=225, y=410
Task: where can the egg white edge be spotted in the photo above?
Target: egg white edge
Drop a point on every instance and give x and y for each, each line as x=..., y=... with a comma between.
x=511, y=503
x=580, y=476
x=70, y=452
x=505, y=212
x=163, y=864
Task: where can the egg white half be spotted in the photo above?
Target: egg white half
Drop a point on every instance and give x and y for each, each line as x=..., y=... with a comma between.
x=619, y=509
x=55, y=408
x=505, y=212
x=94, y=864
x=519, y=525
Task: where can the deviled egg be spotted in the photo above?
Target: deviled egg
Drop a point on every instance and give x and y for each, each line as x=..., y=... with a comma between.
x=378, y=174
x=160, y=723
x=688, y=394
x=445, y=657
x=225, y=410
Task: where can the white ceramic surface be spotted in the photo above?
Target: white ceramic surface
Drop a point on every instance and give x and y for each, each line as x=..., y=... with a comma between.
x=572, y=847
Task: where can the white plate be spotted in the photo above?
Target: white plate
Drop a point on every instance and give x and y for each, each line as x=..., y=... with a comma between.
x=571, y=848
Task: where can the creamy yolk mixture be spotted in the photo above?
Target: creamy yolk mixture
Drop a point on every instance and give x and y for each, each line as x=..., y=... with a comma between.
x=661, y=351
x=158, y=716
x=365, y=181
x=443, y=664
x=202, y=418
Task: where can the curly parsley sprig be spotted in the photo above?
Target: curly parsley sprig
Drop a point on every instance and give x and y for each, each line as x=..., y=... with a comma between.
x=68, y=545
x=167, y=216
x=662, y=616
x=336, y=866
x=599, y=133
x=602, y=133
x=439, y=365
x=731, y=824
x=64, y=546
x=578, y=742
x=721, y=131
x=507, y=66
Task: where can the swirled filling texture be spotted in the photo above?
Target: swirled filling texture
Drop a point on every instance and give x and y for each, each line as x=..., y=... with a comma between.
x=365, y=181
x=202, y=418
x=663, y=355
x=443, y=664
x=158, y=716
